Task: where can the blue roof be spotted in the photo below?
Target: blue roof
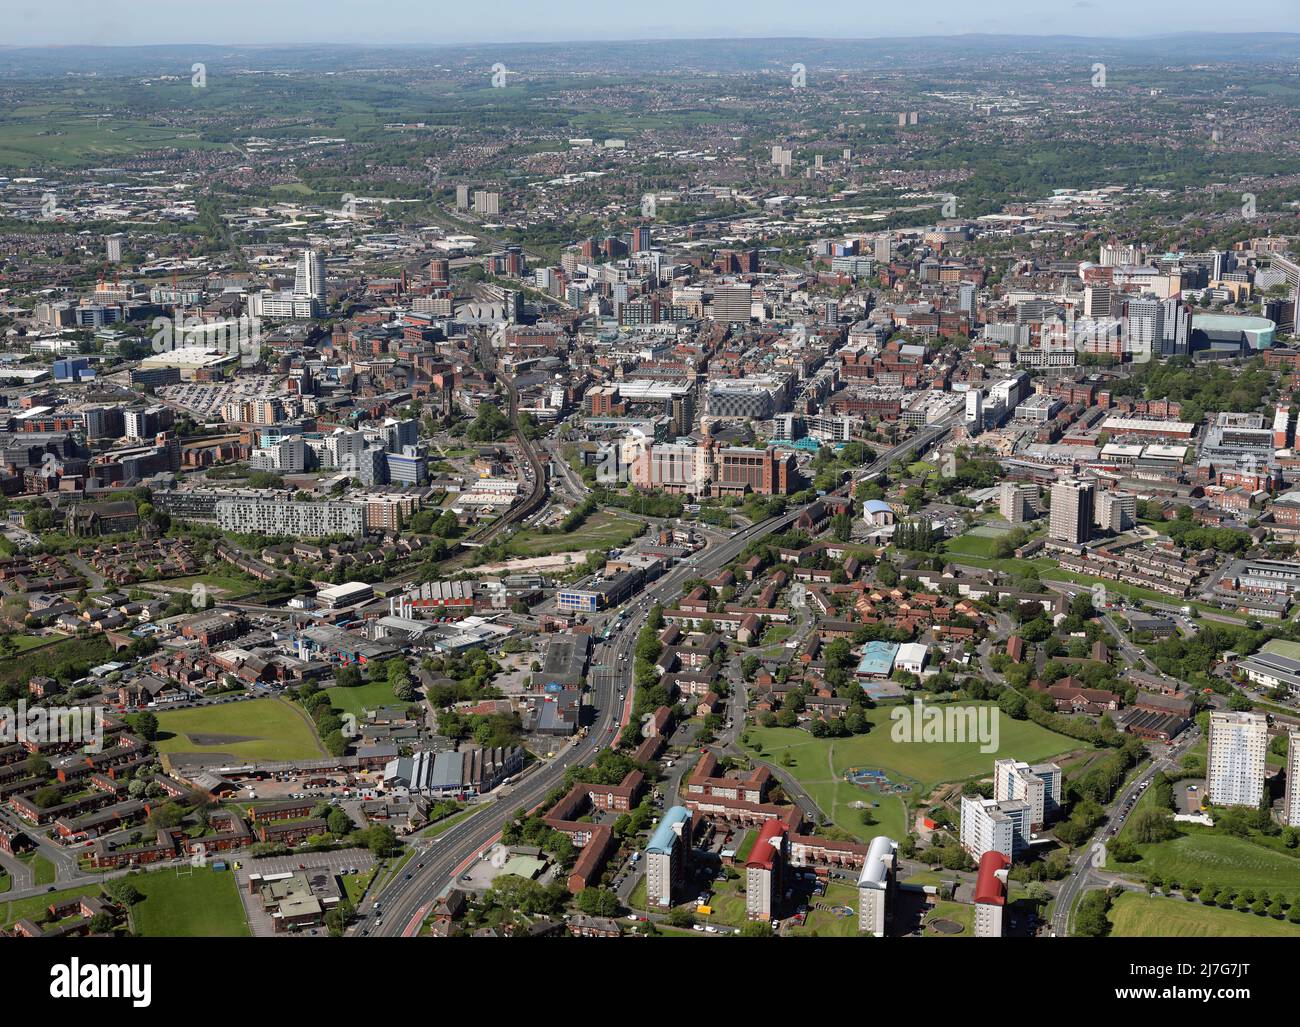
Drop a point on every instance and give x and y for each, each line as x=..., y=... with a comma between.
x=878, y=658
x=665, y=837
x=877, y=506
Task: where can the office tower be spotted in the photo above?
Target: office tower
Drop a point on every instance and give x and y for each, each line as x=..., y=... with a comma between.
x=1096, y=301
x=286, y=517
x=1039, y=785
x=1282, y=426
x=105, y=423
x=113, y=247
x=992, y=825
x=682, y=411
x=974, y=411
x=641, y=238
x=462, y=197
x=1120, y=256
x=1290, y=273
x=372, y=466
x=309, y=279
x=1116, y=511
x=1238, y=745
x=991, y=894
x=967, y=295
x=1071, y=519
x=732, y=303
x=667, y=857
x=1291, y=803
x=400, y=434
x=1142, y=330
x=765, y=870
x=1018, y=501
x=1175, y=327
x=408, y=467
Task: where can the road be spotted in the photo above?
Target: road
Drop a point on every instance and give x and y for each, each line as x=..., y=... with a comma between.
x=1082, y=871
x=405, y=902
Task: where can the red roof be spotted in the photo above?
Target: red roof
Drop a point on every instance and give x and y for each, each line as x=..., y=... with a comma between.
x=763, y=853
x=989, y=888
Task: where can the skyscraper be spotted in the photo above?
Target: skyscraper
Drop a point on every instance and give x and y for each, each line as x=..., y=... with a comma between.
x=667, y=857
x=309, y=280
x=1238, y=744
x=1291, y=803
x=1071, y=519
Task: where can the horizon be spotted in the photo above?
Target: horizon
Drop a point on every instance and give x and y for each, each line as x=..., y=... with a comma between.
x=63, y=24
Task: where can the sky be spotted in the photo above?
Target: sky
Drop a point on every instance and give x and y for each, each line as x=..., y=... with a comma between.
x=291, y=22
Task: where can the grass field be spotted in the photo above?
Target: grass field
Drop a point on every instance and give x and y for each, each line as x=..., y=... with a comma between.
x=820, y=766
x=22, y=643
x=822, y=923
x=973, y=544
x=231, y=584
x=1142, y=916
x=357, y=700
x=204, y=904
x=599, y=531
x=959, y=912
x=34, y=908
x=1221, y=860
x=926, y=763
x=1283, y=647
x=43, y=871
x=59, y=134
x=269, y=729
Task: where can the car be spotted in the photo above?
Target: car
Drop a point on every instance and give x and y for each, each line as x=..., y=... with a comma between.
x=694, y=927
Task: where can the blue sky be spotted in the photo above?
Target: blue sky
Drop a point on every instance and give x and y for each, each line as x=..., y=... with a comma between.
x=65, y=22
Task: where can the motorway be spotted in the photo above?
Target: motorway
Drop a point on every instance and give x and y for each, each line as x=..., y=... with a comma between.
x=404, y=904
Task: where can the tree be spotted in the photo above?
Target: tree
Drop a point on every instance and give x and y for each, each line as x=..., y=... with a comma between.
x=598, y=902
x=757, y=929
x=338, y=822
x=337, y=918
x=145, y=725
x=1090, y=920
x=381, y=840
x=101, y=923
